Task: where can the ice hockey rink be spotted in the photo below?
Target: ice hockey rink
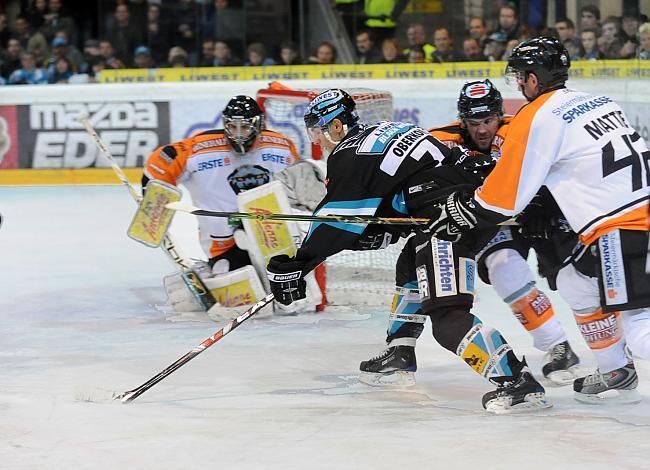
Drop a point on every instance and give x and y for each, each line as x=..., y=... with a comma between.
x=78, y=310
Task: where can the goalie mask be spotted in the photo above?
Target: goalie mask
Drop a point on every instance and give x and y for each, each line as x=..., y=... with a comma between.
x=242, y=122
x=479, y=99
x=327, y=106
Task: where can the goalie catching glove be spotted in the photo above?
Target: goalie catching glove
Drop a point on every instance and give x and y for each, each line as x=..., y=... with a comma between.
x=457, y=214
x=287, y=278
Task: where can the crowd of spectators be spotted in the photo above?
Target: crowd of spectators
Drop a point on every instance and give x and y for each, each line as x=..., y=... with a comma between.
x=42, y=45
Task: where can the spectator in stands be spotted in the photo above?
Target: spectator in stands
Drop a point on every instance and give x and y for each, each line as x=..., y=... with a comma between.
x=5, y=34
x=496, y=46
x=73, y=54
x=390, y=52
x=256, y=53
x=11, y=58
x=29, y=40
x=609, y=42
x=96, y=66
x=223, y=56
x=325, y=54
x=289, y=54
x=590, y=18
x=177, y=57
x=367, y=53
x=142, y=58
x=416, y=55
x=158, y=34
x=207, y=53
x=509, y=21
x=478, y=30
x=444, y=46
x=416, y=36
x=629, y=36
x=60, y=71
x=589, y=43
x=224, y=22
x=91, y=54
x=59, y=50
x=35, y=14
x=124, y=34
x=28, y=73
x=382, y=15
x=472, y=51
x=107, y=51
x=644, y=42
x=57, y=18
x=184, y=33
x=574, y=49
x=565, y=29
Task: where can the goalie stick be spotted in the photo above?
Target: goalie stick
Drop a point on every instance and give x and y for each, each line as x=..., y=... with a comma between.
x=190, y=277
x=130, y=395
x=349, y=219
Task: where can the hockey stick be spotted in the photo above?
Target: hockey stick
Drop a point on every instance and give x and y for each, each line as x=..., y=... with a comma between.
x=130, y=395
x=190, y=277
x=349, y=219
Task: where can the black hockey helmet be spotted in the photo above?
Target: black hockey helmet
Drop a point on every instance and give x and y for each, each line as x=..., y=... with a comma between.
x=544, y=56
x=242, y=121
x=479, y=99
x=330, y=104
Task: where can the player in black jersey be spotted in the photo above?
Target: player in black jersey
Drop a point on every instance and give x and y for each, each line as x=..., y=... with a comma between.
x=396, y=169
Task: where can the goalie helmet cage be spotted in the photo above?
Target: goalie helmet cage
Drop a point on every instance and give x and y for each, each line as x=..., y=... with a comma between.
x=351, y=277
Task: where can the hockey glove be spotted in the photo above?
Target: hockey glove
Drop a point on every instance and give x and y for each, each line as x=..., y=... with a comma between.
x=457, y=214
x=286, y=276
x=376, y=238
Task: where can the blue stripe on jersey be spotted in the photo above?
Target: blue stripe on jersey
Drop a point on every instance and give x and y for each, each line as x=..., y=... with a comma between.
x=358, y=207
x=399, y=204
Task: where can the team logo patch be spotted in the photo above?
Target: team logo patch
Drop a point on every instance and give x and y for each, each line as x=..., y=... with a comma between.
x=423, y=282
x=248, y=177
x=466, y=275
x=477, y=90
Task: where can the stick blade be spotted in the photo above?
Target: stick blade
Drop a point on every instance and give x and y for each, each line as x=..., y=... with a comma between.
x=181, y=206
x=96, y=395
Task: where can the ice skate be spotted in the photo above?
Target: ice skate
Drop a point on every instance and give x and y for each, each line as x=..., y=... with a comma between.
x=615, y=387
x=518, y=395
x=561, y=365
x=394, y=366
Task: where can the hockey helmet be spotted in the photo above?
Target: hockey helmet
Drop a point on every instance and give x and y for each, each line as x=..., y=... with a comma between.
x=327, y=106
x=242, y=122
x=479, y=99
x=544, y=56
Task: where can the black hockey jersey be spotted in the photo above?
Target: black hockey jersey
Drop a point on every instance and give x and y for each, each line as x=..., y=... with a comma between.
x=366, y=174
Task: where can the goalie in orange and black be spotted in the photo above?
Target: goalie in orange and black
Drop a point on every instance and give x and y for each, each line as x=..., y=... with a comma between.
x=500, y=254
x=395, y=169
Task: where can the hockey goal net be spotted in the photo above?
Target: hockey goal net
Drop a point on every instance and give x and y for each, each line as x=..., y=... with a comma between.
x=350, y=277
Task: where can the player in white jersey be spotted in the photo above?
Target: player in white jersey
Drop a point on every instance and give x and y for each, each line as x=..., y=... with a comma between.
x=584, y=150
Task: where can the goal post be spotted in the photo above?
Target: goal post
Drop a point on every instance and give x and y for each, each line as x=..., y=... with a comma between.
x=351, y=277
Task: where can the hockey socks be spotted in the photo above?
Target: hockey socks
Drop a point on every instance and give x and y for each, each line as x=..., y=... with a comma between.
x=406, y=321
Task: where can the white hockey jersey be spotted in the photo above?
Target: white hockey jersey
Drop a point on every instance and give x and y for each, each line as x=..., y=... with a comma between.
x=584, y=149
x=214, y=174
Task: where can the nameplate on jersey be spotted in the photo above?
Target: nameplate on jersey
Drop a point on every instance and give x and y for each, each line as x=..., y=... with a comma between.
x=152, y=219
x=413, y=144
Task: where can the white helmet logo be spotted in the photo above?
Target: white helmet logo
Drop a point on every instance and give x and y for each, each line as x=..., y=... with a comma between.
x=477, y=90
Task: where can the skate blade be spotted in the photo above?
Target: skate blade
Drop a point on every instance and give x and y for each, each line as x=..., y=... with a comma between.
x=533, y=402
x=609, y=397
x=398, y=378
x=564, y=377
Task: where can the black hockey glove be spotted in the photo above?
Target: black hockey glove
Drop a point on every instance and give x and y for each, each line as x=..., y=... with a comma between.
x=536, y=222
x=376, y=237
x=475, y=163
x=286, y=276
x=457, y=214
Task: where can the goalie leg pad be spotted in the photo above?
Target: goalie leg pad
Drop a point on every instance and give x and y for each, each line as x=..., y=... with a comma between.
x=179, y=296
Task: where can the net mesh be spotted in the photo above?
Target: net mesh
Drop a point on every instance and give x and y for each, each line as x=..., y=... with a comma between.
x=353, y=277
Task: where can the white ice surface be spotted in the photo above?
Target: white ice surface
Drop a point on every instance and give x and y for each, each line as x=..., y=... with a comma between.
x=77, y=310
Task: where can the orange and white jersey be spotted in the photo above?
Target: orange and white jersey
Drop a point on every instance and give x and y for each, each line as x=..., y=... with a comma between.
x=214, y=174
x=453, y=135
x=584, y=149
